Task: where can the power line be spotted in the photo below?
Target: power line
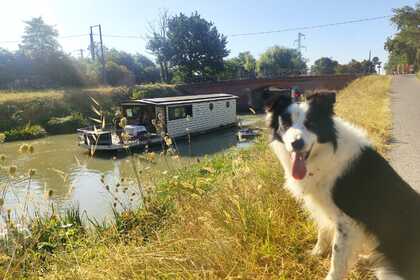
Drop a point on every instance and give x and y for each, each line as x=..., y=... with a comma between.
x=60, y=37
x=233, y=35
x=309, y=27
x=124, y=36
x=73, y=36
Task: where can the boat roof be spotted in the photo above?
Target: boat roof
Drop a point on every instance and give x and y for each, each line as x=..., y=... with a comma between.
x=181, y=99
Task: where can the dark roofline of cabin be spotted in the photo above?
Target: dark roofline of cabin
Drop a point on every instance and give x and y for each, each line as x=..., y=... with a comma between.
x=180, y=100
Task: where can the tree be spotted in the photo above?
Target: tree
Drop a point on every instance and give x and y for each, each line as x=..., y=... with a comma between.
x=39, y=39
x=7, y=67
x=44, y=62
x=231, y=69
x=248, y=63
x=359, y=67
x=118, y=74
x=242, y=66
x=324, y=66
x=141, y=67
x=280, y=61
x=404, y=47
x=159, y=44
x=196, y=48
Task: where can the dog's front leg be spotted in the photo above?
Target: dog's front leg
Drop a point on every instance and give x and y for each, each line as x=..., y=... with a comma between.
x=346, y=244
x=323, y=243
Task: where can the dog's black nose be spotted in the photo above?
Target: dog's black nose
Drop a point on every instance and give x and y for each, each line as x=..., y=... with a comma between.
x=297, y=145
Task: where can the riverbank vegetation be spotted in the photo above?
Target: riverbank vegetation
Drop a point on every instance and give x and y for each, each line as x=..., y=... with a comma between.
x=63, y=110
x=222, y=217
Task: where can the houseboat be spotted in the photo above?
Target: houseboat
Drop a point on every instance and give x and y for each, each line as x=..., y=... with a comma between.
x=151, y=119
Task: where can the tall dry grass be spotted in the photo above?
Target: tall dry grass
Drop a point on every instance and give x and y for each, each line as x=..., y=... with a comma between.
x=365, y=102
x=223, y=218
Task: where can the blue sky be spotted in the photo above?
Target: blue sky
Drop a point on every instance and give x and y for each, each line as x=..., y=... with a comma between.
x=131, y=17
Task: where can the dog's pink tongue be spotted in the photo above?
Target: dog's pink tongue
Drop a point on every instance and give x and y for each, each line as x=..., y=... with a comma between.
x=298, y=166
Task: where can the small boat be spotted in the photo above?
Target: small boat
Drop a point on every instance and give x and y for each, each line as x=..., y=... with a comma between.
x=247, y=133
x=108, y=140
x=151, y=119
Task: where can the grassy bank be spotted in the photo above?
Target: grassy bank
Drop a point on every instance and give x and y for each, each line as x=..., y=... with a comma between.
x=224, y=217
x=18, y=109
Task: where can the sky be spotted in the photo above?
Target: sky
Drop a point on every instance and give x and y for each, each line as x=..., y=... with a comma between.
x=132, y=18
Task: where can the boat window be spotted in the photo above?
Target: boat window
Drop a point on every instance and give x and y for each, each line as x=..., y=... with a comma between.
x=227, y=104
x=129, y=113
x=211, y=106
x=179, y=112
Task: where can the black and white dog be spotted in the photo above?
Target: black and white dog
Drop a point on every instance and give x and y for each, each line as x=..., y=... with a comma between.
x=359, y=203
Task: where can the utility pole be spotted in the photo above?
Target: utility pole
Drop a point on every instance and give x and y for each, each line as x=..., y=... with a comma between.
x=81, y=54
x=92, y=49
x=102, y=55
x=299, y=42
x=92, y=44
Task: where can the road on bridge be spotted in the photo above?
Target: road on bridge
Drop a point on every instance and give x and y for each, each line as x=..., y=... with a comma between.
x=405, y=106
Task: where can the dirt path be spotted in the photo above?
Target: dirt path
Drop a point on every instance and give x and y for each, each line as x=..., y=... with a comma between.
x=405, y=106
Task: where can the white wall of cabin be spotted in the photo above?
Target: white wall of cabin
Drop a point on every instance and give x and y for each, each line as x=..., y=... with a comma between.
x=203, y=118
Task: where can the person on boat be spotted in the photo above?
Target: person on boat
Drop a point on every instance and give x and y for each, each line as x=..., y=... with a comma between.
x=118, y=129
x=296, y=94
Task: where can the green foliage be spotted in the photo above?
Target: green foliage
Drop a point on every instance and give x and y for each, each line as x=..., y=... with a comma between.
x=68, y=124
x=39, y=62
x=404, y=47
x=197, y=49
x=40, y=107
x=39, y=39
x=25, y=133
x=118, y=74
x=159, y=45
x=279, y=61
x=140, y=68
x=324, y=65
x=242, y=66
x=154, y=90
x=359, y=67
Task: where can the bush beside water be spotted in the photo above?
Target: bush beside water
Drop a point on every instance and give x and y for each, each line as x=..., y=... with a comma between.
x=68, y=124
x=27, y=132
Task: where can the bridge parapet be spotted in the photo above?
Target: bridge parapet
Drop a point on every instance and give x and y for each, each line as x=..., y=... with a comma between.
x=246, y=88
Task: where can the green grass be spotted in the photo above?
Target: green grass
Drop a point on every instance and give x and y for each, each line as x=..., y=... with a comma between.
x=18, y=108
x=224, y=217
x=31, y=95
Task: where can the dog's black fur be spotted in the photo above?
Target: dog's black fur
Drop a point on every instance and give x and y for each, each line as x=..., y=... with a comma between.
x=373, y=194
x=369, y=191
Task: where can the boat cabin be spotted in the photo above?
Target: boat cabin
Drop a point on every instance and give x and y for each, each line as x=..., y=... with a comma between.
x=148, y=120
x=181, y=115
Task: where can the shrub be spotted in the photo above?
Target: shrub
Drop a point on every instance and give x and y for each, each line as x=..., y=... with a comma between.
x=154, y=90
x=26, y=133
x=68, y=124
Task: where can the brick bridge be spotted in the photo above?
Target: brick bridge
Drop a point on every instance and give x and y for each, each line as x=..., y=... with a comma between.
x=253, y=92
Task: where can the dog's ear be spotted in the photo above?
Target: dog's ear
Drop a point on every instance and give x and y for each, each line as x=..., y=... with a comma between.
x=324, y=100
x=277, y=102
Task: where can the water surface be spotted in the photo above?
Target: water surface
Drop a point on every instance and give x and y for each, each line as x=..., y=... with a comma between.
x=75, y=178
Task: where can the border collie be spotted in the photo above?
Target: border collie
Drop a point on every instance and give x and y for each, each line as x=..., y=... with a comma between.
x=359, y=203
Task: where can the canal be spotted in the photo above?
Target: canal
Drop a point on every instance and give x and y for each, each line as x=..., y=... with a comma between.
x=65, y=175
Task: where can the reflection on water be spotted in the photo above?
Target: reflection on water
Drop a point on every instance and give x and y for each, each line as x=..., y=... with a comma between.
x=75, y=178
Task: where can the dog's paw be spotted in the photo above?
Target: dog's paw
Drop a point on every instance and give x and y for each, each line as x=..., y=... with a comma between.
x=318, y=251
x=331, y=277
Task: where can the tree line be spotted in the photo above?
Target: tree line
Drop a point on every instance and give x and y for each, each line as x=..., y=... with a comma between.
x=404, y=46
x=186, y=49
